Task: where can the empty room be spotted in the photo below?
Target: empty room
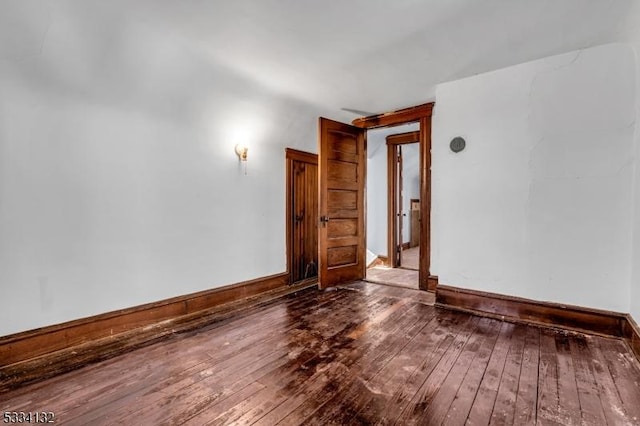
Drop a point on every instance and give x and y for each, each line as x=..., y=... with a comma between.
x=312, y=212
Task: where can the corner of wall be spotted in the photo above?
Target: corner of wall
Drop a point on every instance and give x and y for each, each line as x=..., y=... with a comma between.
x=634, y=278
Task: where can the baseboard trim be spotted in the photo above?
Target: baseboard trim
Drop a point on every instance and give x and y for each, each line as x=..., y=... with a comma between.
x=226, y=303
x=432, y=283
x=631, y=333
x=516, y=309
x=380, y=260
x=33, y=343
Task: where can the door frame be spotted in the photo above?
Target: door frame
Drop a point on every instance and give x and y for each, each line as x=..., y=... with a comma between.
x=393, y=142
x=422, y=114
x=292, y=155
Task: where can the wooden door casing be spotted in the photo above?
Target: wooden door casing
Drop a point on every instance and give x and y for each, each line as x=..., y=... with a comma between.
x=400, y=208
x=342, y=171
x=422, y=114
x=394, y=194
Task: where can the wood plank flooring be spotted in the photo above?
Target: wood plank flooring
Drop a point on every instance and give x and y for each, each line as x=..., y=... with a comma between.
x=362, y=354
x=411, y=258
x=400, y=277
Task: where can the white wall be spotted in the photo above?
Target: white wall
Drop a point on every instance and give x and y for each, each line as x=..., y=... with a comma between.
x=634, y=296
x=631, y=34
x=377, y=192
x=539, y=203
x=118, y=181
x=119, y=185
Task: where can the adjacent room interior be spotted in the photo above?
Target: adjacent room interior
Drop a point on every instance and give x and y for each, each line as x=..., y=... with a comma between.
x=393, y=200
x=284, y=212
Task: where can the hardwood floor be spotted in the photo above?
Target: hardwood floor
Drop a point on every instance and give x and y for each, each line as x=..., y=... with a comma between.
x=362, y=354
x=394, y=276
x=411, y=258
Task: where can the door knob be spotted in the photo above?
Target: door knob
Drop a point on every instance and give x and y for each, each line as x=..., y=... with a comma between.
x=324, y=220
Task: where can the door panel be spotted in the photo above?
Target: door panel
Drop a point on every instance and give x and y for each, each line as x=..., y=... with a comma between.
x=339, y=256
x=343, y=200
x=303, y=216
x=343, y=228
x=342, y=164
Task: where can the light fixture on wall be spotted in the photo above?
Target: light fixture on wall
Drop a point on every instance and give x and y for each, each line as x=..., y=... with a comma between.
x=241, y=151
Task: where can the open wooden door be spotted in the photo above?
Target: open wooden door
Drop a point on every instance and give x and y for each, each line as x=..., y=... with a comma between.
x=342, y=168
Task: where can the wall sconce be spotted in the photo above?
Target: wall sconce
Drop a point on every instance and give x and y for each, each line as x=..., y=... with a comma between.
x=241, y=151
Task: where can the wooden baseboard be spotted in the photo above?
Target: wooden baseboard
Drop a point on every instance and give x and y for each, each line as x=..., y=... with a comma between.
x=432, y=283
x=374, y=262
x=631, y=333
x=518, y=309
x=54, y=360
x=33, y=343
x=380, y=260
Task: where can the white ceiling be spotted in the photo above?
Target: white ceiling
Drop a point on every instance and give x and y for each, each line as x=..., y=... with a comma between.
x=376, y=55
x=370, y=55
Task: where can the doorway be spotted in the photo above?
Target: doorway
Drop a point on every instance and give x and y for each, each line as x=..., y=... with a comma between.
x=421, y=116
x=343, y=152
x=403, y=200
x=302, y=214
x=393, y=188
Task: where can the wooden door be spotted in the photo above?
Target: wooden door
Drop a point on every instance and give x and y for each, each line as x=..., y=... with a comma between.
x=342, y=171
x=302, y=215
x=305, y=225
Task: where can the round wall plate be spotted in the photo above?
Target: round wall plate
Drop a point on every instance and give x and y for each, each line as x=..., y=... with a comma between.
x=457, y=144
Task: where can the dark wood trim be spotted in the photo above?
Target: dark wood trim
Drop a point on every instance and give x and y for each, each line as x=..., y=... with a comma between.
x=404, y=138
x=33, y=343
x=380, y=260
x=425, y=202
x=288, y=207
x=297, y=155
x=392, y=199
x=406, y=246
x=631, y=333
x=548, y=314
x=392, y=205
x=516, y=309
x=422, y=114
x=432, y=283
x=395, y=118
x=292, y=155
x=77, y=356
x=304, y=360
